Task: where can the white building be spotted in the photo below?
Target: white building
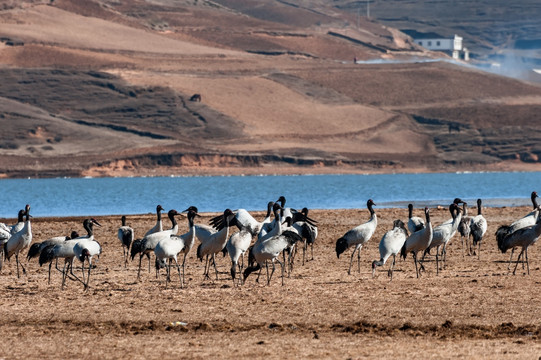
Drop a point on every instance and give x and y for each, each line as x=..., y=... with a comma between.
x=451, y=46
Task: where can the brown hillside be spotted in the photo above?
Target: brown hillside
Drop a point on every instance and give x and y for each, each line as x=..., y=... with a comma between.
x=104, y=87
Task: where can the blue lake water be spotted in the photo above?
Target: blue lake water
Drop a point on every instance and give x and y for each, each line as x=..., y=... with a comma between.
x=139, y=195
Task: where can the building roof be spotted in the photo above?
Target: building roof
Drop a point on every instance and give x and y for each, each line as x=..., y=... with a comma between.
x=420, y=35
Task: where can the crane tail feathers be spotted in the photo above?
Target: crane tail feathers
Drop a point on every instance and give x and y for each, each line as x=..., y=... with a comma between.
x=33, y=251
x=127, y=238
x=137, y=247
x=477, y=237
x=308, y=234
x=292, y=237
x=251, y=257
x=477, y=233
x=46, y=255
x=200, y=252
x=501, y=234
x=403, y=252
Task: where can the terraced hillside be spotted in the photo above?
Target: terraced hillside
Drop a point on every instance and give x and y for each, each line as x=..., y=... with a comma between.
x=103, y=88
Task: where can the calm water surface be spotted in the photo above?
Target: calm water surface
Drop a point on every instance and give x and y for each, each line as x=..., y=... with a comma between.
x=112, y=196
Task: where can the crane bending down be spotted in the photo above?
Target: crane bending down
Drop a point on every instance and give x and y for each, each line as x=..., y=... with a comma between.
x=86, y=249
x=390, y=245
x=270, y=249
x=236, y=246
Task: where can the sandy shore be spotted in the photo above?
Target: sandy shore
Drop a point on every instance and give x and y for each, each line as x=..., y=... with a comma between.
x=285, y=169
x=474, y=308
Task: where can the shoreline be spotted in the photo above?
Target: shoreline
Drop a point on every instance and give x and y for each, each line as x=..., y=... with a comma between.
x=263, y=174
x=276, y=170
x=261, y=213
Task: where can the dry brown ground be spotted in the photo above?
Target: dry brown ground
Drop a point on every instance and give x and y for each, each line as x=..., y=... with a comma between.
x=473, y=309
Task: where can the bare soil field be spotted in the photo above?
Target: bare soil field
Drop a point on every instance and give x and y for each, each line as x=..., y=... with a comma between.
x=473, y=309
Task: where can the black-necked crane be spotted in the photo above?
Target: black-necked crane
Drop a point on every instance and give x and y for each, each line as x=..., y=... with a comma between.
x=417, y=242
x=285, y=211
x=36, y=248
x=215, y=243
x=137, y=243
x=149, y=242
x=66, y=251
x=125, y=234
x=239, y=242
x=159, y=225
x=170, y=248
x=358, y=236
x=478, y=227
x=270, y=249
x=205, y=232
x=236, y=246
x=527, y=220
x=390, y=245
x=443, y=233
x=12, y=229
x=277, y=224
x=415, y=223
x=19, y=241
x=245, y=221
x=6, y=231
x=464, y=228
x=457, y=202
x=136, y=249
x=274, y=228
x=86, y=249
x=293, y=213
x=523, y=237
x=308, y=231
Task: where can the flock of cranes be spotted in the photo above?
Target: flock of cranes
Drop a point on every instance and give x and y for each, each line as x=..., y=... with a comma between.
x=275, y=239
